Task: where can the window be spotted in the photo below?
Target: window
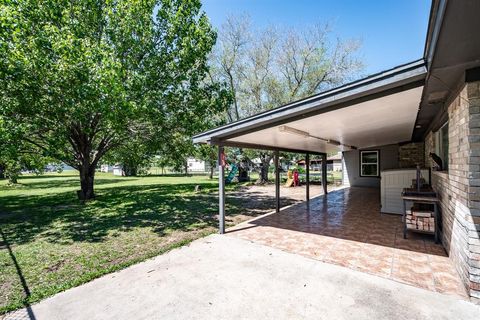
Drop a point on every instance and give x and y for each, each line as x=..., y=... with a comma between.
x=369, y=163
x=441, y=145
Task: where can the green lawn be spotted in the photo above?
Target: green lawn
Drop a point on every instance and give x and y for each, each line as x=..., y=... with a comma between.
x=50, y=242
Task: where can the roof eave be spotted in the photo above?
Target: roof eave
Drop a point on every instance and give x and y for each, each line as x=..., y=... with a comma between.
x=369, y=86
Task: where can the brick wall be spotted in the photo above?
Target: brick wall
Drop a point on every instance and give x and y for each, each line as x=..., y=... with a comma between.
x=459, y=189
x=453, y=209
x=429, y=147
x=411, y=154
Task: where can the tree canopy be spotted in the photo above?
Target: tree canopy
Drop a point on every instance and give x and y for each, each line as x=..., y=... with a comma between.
x=84, y=77
x=268, y=67
x=271, y=66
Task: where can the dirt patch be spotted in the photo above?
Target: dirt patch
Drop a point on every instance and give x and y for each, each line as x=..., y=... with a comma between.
x=260, y=199
x=55, y=266
x=286, y=193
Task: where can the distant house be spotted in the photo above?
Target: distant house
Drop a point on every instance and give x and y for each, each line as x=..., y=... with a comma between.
x=52, y=167
x=196, y=165
x=106, y=168
x=334, y=163
x=117, y=170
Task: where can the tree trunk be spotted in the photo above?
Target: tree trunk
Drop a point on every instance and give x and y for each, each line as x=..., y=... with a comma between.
x=263, y=178
x=87, y=176
x=130, y=170
x=12, y=179
x=186, y=168
x=211, y=171
x=2, y=172
x=265, y=165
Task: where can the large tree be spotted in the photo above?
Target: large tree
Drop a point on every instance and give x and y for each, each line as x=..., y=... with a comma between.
x=269, y=67
x=80, y=75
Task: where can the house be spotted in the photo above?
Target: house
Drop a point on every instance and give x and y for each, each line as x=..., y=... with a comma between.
x=396, y=119
x=196, y=165
x=334, y=163
x=118, y=170
x=106, y=168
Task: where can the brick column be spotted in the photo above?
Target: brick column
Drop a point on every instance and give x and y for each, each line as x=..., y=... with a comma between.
x=473, y=221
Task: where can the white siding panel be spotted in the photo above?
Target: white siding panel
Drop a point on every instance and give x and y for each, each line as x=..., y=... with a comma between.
x=391, y=186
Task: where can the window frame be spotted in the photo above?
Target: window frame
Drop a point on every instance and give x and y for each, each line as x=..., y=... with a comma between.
x=377, y=151
x=440, y=147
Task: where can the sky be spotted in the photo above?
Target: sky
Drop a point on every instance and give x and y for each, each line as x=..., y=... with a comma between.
x=392, y=31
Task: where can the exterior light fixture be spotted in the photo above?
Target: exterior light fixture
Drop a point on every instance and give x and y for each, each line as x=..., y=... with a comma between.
x=305, y=134
x=294, y=131
x=334, y=142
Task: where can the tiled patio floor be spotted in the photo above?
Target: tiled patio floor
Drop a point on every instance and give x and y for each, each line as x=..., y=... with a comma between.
x=346, y=228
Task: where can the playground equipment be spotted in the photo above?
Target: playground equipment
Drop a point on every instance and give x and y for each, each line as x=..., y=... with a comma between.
x=292, y=179
x=232, y=173
x=289, y=182
x=238, y=165
x=296, y=179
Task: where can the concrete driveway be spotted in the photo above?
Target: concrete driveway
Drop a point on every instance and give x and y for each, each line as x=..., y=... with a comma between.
x=220, y=277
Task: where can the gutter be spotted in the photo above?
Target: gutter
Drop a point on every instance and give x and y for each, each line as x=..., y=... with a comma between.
x=437, y=12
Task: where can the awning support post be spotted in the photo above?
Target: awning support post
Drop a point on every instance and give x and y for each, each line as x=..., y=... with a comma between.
x=324, y=173
x=307, y=171
x=221, y=190
x=277, y=181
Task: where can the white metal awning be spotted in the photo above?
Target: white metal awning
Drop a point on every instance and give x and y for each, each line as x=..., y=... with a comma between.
x=376, y=122
x=374, y=111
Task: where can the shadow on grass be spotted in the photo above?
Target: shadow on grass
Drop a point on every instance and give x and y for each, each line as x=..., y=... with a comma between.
x=69, y=182
x=162, y=208
x=47, y=176
x=5, y=243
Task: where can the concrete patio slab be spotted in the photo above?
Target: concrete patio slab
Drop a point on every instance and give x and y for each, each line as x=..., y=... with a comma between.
x=221, y=277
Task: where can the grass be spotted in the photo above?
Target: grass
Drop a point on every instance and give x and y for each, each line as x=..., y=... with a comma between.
x=49, y=242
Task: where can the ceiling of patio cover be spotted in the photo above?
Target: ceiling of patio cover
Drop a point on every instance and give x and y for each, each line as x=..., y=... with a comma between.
x=374, y=111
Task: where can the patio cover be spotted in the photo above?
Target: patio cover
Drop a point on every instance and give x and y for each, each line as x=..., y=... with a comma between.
x=377, y=110
x=398, y=105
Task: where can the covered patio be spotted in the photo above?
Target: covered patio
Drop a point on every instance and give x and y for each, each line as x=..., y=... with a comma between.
x=346, y=228
x=375, y=111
